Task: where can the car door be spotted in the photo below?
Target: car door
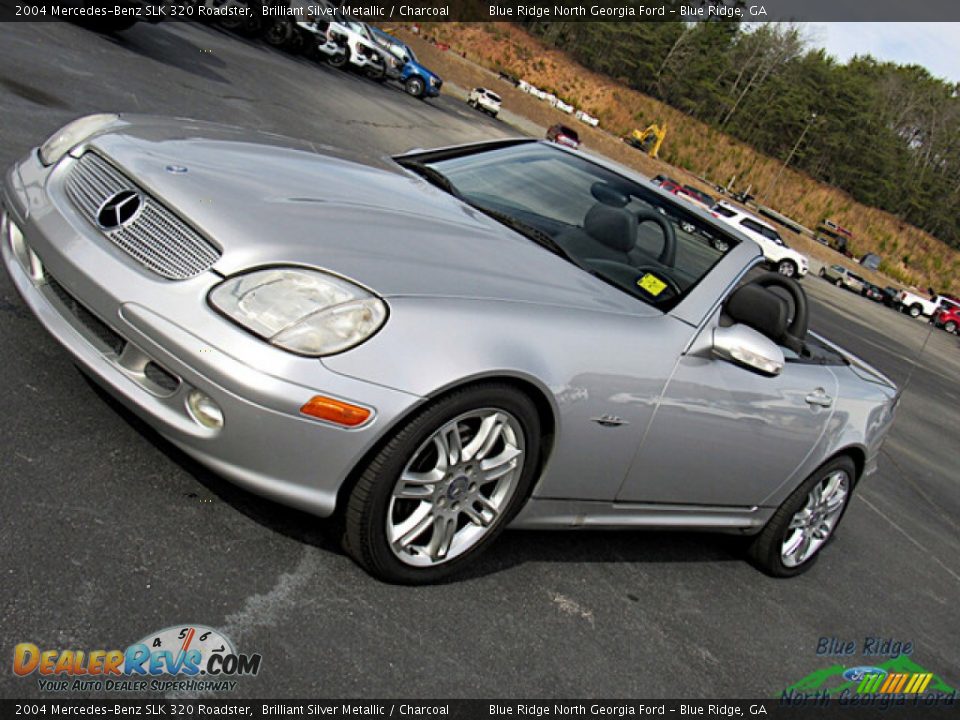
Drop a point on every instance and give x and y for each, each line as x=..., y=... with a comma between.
x=725, y=435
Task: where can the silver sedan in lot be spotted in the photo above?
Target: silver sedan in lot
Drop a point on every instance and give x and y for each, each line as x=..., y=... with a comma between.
x=444, y=344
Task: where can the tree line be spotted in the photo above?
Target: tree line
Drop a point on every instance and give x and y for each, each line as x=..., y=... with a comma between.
x=888, y=134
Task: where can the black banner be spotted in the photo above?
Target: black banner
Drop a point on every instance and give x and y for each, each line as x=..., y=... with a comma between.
x=487, y=10
x=862, y=707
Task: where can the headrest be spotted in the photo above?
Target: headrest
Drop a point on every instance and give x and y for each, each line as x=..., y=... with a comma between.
x=614, y=227
x=608, y=194
x=759, y=308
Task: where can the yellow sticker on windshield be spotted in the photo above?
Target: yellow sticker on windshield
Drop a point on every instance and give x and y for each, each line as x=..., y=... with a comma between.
x=652, y=284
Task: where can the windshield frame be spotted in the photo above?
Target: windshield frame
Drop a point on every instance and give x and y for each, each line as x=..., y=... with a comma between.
x=699, y=288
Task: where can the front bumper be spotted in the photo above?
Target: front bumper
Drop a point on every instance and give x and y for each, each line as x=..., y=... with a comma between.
x=120, y=321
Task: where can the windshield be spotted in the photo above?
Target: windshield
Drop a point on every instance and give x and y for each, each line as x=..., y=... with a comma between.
x=611, y=226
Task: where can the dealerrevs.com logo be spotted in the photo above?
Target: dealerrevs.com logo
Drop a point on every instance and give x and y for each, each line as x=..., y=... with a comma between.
x=178, y=658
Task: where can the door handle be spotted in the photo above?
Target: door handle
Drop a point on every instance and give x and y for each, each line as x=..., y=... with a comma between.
x=819, y=397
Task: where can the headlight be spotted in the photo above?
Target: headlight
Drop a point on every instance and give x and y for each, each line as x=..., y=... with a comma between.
x=71, y=134
x=303, y=311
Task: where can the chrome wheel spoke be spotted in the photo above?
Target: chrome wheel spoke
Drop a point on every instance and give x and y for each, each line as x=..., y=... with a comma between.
x=801, y=519
x=496, y=467
x=486, y=515
x=449, y=445
x=793, y=543
x=491, y=429
x=417, y=485
x=413, y=527
x=444, y=529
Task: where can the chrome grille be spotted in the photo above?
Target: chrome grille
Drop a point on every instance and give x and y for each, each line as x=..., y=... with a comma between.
x=156, y=238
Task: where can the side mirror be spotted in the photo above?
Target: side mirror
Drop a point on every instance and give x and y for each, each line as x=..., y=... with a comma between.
x=746, y=347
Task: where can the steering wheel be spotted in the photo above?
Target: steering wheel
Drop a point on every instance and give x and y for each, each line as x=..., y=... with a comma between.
x=797, y=330
x=668, y=255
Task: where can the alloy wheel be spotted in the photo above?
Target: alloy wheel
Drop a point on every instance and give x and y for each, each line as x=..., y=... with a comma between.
x=456, y=487
x=813, y=524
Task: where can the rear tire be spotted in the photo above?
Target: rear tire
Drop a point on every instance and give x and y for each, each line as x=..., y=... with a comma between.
x=787, y=268
x=416, y=515
x=915, y=311
x=950, y=326
x=340, y=60
x=801, y=519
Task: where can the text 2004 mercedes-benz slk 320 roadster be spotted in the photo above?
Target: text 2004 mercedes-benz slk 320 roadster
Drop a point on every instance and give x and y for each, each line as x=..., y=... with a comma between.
x=453, y=341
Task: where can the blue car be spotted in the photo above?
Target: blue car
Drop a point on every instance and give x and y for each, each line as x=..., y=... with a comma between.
x=416, y=79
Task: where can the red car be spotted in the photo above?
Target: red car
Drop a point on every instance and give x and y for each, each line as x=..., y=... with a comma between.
x=947, y=317
x=562, y=135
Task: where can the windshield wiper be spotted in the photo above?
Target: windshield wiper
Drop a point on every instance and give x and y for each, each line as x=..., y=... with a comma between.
x=538, y=236
x=544, y=240
x=431, y=175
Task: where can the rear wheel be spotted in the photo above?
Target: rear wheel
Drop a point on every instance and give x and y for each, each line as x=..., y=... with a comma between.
x=787, y=268
x=792, y=540
x=444, y=486
x=914, y=311
x=950, y=326
x=339, y=60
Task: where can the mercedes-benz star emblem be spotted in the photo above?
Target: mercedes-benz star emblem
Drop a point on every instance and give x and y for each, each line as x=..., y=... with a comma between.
x=119, y=209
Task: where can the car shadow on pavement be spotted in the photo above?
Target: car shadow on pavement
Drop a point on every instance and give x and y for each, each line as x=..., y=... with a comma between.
x=511, y=549
x=158, y=43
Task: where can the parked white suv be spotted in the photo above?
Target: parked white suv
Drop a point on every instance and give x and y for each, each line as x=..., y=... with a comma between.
x=778, y=254
x=485, y=100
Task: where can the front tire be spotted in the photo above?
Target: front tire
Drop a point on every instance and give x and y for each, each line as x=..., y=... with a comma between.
x=803, y=525
x=950, y=326
x=278, y=33
x=444, y=486
x=415, y=86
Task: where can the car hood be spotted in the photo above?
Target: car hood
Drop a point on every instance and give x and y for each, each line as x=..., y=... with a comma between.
x=426, y=72
x=267, y=200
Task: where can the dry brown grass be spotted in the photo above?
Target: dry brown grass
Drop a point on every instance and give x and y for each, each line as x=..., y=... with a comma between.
x=692, y=149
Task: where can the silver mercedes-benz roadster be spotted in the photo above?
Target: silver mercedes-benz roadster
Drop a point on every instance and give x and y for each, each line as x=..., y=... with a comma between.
x=444, y=343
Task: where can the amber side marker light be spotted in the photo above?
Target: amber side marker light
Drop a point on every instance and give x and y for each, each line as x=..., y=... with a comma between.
x=335, y=411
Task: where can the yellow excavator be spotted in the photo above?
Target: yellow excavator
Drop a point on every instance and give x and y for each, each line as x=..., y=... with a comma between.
x=649, y=140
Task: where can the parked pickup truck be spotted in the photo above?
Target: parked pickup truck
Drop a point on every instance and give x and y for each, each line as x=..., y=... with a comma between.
x=916, y=305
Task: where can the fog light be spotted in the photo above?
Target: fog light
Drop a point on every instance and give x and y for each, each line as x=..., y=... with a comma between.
x=204, y=410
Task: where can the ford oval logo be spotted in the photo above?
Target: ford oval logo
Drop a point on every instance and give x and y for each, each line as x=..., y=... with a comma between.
x=119, y=210
x=855, y=674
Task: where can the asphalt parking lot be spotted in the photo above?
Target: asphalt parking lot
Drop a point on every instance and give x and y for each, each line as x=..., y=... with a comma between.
x=109, y=533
